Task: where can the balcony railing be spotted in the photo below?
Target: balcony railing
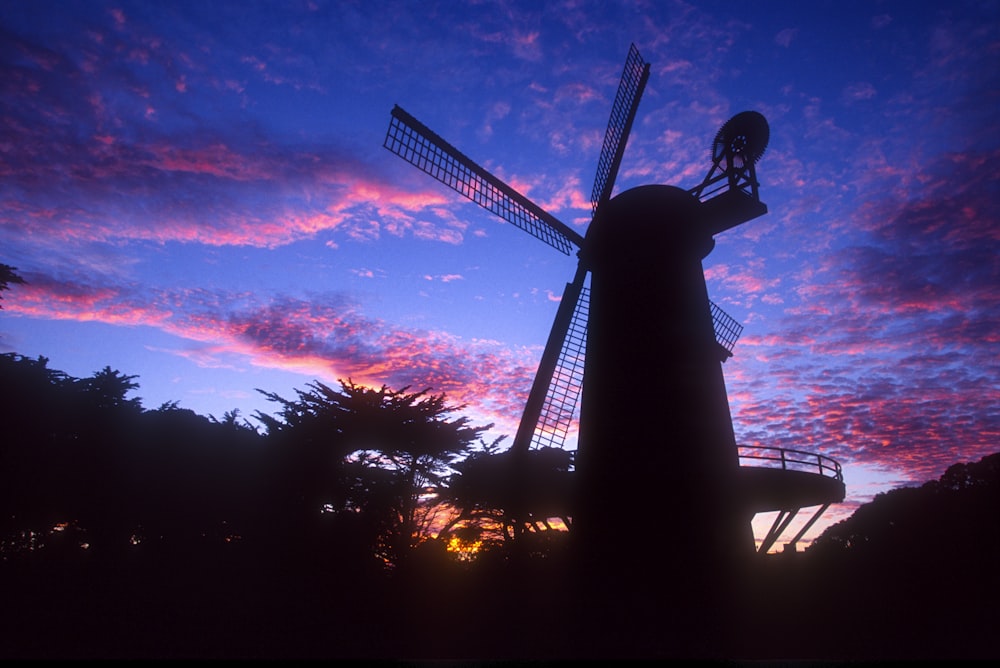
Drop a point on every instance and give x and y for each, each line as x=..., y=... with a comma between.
x=790, y=460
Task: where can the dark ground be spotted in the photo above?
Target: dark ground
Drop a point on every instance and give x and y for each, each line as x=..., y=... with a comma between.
x=793, y=608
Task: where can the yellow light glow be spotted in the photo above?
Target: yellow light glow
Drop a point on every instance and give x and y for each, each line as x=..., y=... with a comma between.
x=464, y=550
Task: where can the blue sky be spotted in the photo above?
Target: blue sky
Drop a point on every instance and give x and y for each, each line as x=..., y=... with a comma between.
x=197, y=194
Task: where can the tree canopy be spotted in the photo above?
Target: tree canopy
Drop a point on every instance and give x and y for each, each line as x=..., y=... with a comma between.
x=8, y=276
x=83, y=453
x=920, y=522
x=379, y=453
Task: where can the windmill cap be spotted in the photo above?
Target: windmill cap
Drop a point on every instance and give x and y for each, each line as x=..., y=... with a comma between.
x=652, y=219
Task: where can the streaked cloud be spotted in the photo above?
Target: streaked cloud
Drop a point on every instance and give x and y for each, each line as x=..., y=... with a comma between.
x=325, y=336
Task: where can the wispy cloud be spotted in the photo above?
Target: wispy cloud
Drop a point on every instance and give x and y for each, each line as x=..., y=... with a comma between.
x=326, y=336
x=859, y=91
x=786, y=37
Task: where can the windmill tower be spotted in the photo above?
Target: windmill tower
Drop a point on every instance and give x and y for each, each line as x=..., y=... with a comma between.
x=637, y=332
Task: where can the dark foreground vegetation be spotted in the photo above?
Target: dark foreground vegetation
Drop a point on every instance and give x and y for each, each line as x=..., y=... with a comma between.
x=366, y=523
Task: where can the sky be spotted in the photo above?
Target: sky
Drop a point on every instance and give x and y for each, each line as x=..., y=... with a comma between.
x=196, y=193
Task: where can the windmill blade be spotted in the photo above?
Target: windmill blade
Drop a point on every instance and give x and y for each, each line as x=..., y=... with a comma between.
x=633, y=82
x=417, y=144
x=551, y=404
x=567, y=381
x=727, y=329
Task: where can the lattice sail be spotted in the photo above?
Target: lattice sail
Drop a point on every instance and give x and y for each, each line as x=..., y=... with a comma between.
x=633, y=81
x=567, y=381
x=414, y=142
x=727, y=329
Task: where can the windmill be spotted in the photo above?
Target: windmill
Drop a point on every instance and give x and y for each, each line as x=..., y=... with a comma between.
x=635, y=333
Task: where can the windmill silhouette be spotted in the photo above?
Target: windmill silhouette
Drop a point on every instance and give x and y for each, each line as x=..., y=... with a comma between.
x=636, y=335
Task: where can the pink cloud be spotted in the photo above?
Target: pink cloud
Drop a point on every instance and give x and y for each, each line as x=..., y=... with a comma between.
x=569, y=196
x=212, y=194
x=881, y=361
x=42, y=297
x=496, y=112
x=578, y=93
x=327, y=338
x=215, y=159
x=859, y=91
x=672, y=66
x=881, y=21
x=786, y=36
x=445, y=278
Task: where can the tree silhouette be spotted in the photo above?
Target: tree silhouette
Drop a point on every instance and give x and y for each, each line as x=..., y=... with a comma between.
x=516, y=492
x=81, y=456
x=379, y=454
x=913, y=572
x=192, y=483
x=8, y=276
x=37, y=431
x=961, y=505
x=106, y=391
